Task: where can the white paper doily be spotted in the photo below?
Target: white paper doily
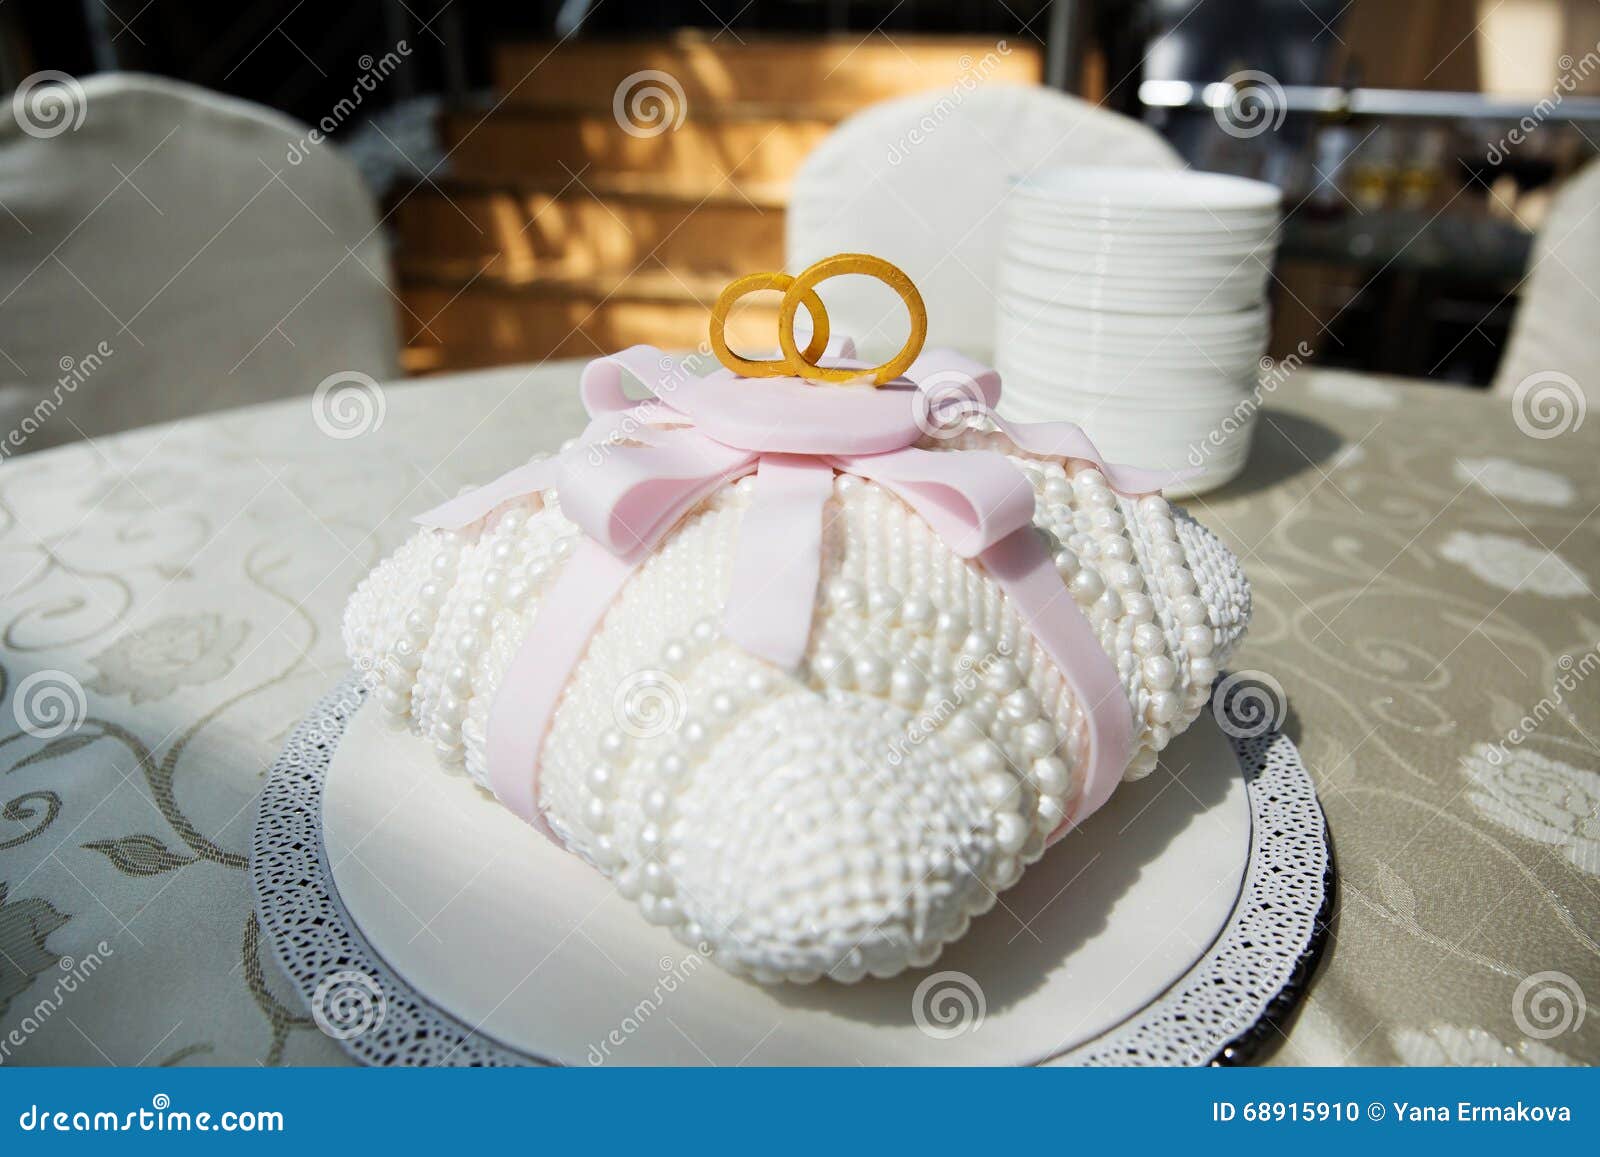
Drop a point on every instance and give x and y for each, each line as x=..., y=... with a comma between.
x=1204, y=982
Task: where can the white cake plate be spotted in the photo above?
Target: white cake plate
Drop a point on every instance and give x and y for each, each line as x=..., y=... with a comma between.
x=423, y=923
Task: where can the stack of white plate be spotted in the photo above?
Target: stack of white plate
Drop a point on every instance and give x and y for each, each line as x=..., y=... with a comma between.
x=1133, y=302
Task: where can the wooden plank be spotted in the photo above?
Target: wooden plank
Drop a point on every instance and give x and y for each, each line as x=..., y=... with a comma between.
x=450, y=326
x=532, y=232
x=843, y=73
x=704, y=154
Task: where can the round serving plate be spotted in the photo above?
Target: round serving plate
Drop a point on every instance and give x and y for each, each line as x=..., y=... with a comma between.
x=1104, y=294
x=1204, y=227
x=1142, y=248
x=1092, y=360
x=1204, y=232
x=1177, y=388
x=1249, y=324
x=1113, y=270
x=1122, y=408
x=1175, y=352
x=1015, y=320
x=1122, y=189
x=424, y=924
x=1118, y=422
x=1090, y=363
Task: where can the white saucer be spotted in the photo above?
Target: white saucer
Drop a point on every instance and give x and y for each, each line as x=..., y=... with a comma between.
x=527, y=945
x=1123, y=189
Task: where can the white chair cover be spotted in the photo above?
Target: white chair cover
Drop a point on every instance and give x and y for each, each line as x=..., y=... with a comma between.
x=161, y=256
x=1557, y=326
x=920, y=181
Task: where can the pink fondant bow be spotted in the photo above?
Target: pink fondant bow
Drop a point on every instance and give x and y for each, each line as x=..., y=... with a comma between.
x=639, y=467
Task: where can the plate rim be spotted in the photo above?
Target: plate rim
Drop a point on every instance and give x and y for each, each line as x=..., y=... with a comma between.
x=313, y=936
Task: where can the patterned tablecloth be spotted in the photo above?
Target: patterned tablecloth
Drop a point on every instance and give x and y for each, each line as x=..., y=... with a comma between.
x=1424, y=566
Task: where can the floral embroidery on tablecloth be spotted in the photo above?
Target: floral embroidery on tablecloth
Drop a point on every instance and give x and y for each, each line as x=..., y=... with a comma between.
x=1516, y=481
x=1449, y=1044
x=1539, y=798
x=181, y=650
x=25, y=925
x=1513, y=564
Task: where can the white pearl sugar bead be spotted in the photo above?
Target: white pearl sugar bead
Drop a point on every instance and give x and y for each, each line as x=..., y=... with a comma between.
x=1148, y=639
x=872, y=674
x=844, y=593
x=1159, y=672
x=1051, y=776
x=908, y=685
x=1037, y=738
x=1011, y=832
x=1086, y=586
x=1164, y=707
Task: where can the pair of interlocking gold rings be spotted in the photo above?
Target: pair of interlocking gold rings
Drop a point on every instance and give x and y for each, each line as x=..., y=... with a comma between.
x=801, y=290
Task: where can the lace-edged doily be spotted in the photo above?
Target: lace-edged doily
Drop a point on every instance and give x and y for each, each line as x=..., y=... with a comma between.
x=1228, y=1008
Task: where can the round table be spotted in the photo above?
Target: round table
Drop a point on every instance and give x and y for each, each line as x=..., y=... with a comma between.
x=1424, y=574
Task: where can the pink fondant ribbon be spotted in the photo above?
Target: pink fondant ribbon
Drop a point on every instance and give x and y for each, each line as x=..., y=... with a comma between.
x=640, y=466
x=778, y=560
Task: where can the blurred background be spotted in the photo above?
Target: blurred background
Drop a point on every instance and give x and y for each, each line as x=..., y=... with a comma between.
x=526, y=204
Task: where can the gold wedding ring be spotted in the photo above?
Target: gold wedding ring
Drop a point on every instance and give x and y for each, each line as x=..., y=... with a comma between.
x=754, y=283
x=801, y=290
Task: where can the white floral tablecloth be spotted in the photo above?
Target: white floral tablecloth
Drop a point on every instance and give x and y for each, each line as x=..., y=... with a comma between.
x=1424, y=569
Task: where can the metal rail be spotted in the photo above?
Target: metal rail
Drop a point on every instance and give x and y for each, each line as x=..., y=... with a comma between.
x=1368, y=102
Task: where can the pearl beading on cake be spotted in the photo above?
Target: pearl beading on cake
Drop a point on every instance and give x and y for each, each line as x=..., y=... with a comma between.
x=849, y=818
